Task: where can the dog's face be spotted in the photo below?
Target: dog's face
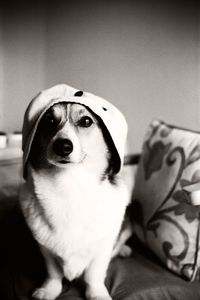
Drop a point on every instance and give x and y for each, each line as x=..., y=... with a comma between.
x=69, y=133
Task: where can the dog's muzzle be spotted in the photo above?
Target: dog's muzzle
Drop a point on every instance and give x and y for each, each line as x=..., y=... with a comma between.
x=62, y=147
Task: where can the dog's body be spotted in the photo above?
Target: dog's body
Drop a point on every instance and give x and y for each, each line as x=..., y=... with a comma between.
x=72, y=201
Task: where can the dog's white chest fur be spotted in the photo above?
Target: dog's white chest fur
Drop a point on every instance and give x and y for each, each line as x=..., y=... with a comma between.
x=74, y=215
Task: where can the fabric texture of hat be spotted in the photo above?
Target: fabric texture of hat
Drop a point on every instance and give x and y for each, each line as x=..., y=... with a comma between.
x=112, y=118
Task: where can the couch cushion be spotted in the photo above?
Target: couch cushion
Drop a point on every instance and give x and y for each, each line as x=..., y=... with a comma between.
x=166, y=219
x=140, y=277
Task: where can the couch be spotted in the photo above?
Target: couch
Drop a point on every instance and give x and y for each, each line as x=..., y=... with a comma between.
x=139, y=277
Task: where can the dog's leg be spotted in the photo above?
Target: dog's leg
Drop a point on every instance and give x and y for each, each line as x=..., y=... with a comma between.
x=52, y=286
x=95, y=277
x=121, y=248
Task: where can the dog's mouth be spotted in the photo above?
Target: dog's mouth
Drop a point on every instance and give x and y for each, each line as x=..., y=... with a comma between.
x=65, y=161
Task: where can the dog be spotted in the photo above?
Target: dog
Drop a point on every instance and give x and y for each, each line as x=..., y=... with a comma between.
x=73, y=200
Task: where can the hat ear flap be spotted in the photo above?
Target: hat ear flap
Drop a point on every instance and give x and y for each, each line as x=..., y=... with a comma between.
x=113, y=159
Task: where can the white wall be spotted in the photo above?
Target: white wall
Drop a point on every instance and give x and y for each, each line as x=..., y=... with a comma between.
x=1, y=75
x=24, y=60
x=198, y=65
x=141, y=55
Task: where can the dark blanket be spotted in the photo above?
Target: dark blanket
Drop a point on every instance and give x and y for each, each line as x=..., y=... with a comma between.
x=140, y=277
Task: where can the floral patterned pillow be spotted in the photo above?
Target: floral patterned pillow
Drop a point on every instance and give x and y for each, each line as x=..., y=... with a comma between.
x=166, y=197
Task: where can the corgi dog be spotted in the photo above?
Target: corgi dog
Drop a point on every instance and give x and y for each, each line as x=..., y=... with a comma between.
x=72, y=199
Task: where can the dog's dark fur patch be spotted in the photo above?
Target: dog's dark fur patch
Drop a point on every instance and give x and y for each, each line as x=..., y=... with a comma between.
x=49, y=125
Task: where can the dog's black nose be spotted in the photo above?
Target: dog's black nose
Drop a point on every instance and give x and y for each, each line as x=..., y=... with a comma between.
x=62, y=147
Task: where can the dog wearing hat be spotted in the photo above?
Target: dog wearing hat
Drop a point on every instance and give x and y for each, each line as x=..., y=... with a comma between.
x=73, y=198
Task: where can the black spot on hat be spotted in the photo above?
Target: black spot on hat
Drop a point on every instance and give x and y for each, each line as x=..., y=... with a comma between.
x=104, y=108
x=78, y=94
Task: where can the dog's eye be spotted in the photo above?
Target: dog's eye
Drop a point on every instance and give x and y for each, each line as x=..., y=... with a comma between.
x=85, y=122
x=50, y=120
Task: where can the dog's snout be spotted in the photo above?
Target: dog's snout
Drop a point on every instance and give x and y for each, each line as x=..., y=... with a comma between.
x=62, y=147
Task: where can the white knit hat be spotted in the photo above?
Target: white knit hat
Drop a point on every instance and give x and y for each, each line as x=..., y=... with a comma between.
x=112, y=118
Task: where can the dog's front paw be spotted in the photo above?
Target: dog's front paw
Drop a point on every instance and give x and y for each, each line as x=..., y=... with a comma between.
x=49, y=290
x=97, y=293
